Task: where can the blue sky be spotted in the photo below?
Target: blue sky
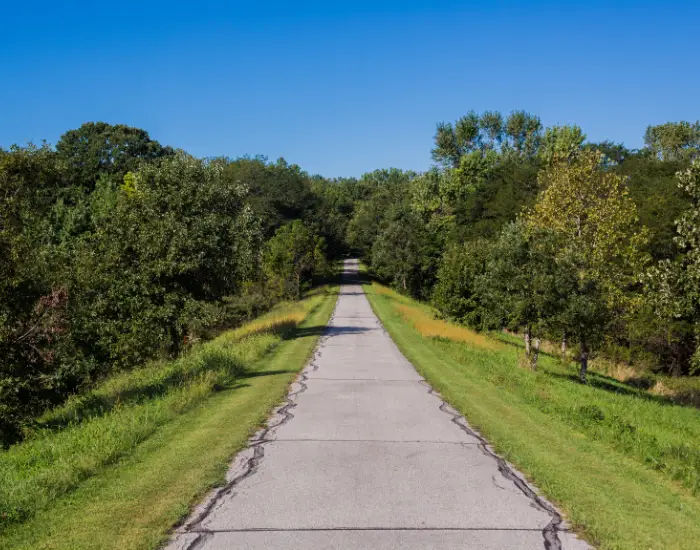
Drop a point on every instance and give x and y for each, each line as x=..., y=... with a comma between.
x=342, y=88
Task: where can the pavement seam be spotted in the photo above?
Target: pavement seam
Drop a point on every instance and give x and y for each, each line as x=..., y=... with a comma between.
x=375, y=528
x=550, y=532
x=367, y=379
x=424, y=441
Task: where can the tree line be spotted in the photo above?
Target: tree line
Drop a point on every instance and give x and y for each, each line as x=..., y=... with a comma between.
x=536, y=230
x=116, y=250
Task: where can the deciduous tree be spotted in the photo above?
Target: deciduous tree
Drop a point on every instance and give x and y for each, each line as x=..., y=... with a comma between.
x=595, y=223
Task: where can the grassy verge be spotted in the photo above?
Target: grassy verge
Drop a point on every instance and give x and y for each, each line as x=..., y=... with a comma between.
x=622, y=464
x=116, y=468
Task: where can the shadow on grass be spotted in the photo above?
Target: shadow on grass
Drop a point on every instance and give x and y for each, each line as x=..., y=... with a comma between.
x=612, y=385
x=94, y=405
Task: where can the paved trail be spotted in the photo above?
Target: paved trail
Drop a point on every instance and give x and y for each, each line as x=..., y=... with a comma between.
x=365, y=455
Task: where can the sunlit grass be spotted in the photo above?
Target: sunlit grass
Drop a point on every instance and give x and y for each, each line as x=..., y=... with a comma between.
x=684, y=390
x=289, y=317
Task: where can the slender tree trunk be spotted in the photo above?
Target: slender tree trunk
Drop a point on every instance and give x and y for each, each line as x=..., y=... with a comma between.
x=528, y=338
x=535, y=354
x=584, y=361
x=563, y=344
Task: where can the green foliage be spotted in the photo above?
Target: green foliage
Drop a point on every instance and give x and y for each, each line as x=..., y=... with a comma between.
x=521, y=281
x=457, y=294
x=561, y=143
x=522, y=133
x=171, y=240
x=405, y=252
x=292, y=258
x=277, y=192
x=380, y=192
x=589, y=212
x=675, y=284
x=98, y=148
x=32, y=310
x=674, y=140
x=519, y=134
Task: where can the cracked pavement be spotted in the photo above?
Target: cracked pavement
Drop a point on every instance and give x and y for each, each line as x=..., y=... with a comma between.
x=364, y=454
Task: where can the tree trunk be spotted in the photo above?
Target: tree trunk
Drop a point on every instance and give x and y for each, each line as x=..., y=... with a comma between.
x=528, y=337
x=535, y=354
x=584, y=361
x=563, y=344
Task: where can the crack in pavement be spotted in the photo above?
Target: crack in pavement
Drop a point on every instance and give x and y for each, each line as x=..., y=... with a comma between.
x=550, y=532
x=256, y=442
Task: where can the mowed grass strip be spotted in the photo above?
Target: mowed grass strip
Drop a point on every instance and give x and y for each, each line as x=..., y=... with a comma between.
x=121, y=477
x=621, y=463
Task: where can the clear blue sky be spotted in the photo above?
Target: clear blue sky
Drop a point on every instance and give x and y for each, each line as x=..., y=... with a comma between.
x=342, y=88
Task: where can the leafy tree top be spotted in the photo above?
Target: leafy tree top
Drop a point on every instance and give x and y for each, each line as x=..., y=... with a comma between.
x=98, y=148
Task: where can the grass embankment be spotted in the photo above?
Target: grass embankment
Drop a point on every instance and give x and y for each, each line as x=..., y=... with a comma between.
x=117, y=467
x=623, y=464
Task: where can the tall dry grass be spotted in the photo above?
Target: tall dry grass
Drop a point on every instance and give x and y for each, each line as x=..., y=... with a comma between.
x=430, y=327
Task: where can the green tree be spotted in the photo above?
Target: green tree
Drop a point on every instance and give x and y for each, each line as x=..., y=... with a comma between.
x=278, y=192
x=519, y=133
x=168, y=244
x=519, y=283
x=405, y=252
x=32, y=324
x=561, y=143
x=380, y=193
x=674, y=140
x=457, y=293
x=522, y=131
x=292, y=257
x=492, y=125
x=676, y=284
x=595, y=221
x=98, y=148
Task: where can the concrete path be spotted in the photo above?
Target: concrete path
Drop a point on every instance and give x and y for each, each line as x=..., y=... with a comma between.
x=365, y=455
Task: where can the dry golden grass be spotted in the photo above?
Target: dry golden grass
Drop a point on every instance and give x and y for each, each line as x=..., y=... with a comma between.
x=661, y=389
x=383, y=290
x=430, y=327
x=618, y=371
x=269, y=323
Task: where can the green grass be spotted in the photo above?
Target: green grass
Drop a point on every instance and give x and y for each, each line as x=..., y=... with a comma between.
x=119, y=466
x=623, y=464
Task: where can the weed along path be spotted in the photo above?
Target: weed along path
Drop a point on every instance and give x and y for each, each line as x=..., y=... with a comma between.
x=365, y=454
